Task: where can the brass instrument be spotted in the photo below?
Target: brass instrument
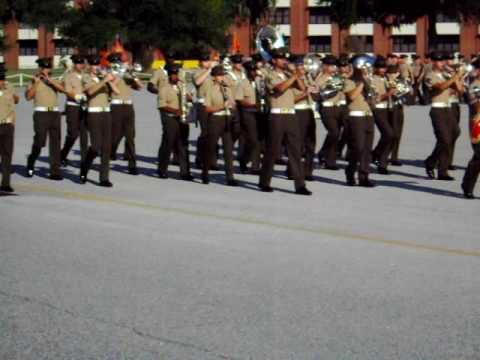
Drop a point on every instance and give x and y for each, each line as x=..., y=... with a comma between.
x=268, y=39
x=365, y=63
x=261, y=87
x=333, y=86
x=403, y=89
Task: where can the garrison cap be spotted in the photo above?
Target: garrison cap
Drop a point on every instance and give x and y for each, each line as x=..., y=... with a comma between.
x=114, y=58
x=45, y=63
x=280, y=53
x=172, y=68
x=236, y=59
x=250, y=65
x=218, y=70
x=380, y=62
x=77, y=59
x=330, y=60
x=437, y=56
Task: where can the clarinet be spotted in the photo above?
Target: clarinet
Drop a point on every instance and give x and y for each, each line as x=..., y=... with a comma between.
x=224, y=90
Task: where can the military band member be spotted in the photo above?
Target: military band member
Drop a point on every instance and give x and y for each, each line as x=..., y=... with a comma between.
x=396, y=116
x=473, y=169
x=443, y=121
x=360, y=127
x=330, y=113
x=174, y=124
x=123, y=114
x=282, y=124
x=8, y=100
x=456, y=93
x=99, y=87
x=417, y=72
x=202, y=81
x=219, y=105
x=74, y=109
x=383, y=93
x=233, y=78
x=46, y=118
x=304, y=110
x=248, y=99
x=345, y=72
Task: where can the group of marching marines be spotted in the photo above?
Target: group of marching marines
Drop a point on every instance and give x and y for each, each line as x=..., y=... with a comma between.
x=270, y=109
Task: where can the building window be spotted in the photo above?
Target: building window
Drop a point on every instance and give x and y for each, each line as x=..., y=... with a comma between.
x=320, y=44
x=281, y=16
x=443, y=18
x=319, y=15
x=359, y=44
x=365, y=20
x=405, y=44
x=28, y=47
x=446, y=43
x=62, y=49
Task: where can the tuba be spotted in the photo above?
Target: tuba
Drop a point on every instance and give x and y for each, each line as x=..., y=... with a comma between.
x=268, y=39
x=332, y=87
x=403, y=90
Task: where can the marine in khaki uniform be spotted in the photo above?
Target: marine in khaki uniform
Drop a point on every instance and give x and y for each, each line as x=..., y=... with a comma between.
x=456, y=92
x=173, y=125
x=75, y=113
x=219, y=105
x=8, y=100
x=417, y=72
x=46, y=118
x=248, y=99
x=282, y=124
x=344, y=71
x=123, y=114
x=360, y=126
x=443, y=121
x=233, y=78
x=473, y=169
x=98, y=86
x=202, y=81
x=380, y=110
x=330, y=113
x=304, y=110
x=396, y=116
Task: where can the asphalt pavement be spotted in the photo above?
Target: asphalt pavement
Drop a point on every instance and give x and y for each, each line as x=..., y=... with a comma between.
x=167, y=269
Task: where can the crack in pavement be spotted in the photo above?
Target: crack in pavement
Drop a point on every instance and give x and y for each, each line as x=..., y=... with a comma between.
x=120, y=325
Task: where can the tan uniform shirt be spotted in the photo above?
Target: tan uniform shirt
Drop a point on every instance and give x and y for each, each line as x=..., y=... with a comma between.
x=102, y=96
x=379, y=83
x=202, y=89
x=359, y=104
x=285, y=100
x=433, y=78
x=247, y=91
x=45, y=96
x=215, y=98
x=125, y=90
x=322, y=81
x=169, y=96
x=7, y=104
x=72, y=81
x=159, y=79
x=233, y=80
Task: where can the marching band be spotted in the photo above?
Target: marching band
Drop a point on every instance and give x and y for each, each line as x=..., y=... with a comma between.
x=269, y=105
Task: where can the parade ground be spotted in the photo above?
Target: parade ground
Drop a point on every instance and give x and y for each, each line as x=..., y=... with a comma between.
x=168, y=269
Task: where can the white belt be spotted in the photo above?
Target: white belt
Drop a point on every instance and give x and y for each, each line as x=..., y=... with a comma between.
x=282, y=111
x=46, y=109
x=72, y=103
x=440, y=105
x=382, y=105
x=328, y=104
x=342, y=102
x=456, y=101
x=200, y=101
x=303, y=107
x=98, y=109
x=169, y=114
x=222, y=113
x=6, y=121
x=359, y=113
x=121, y=102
